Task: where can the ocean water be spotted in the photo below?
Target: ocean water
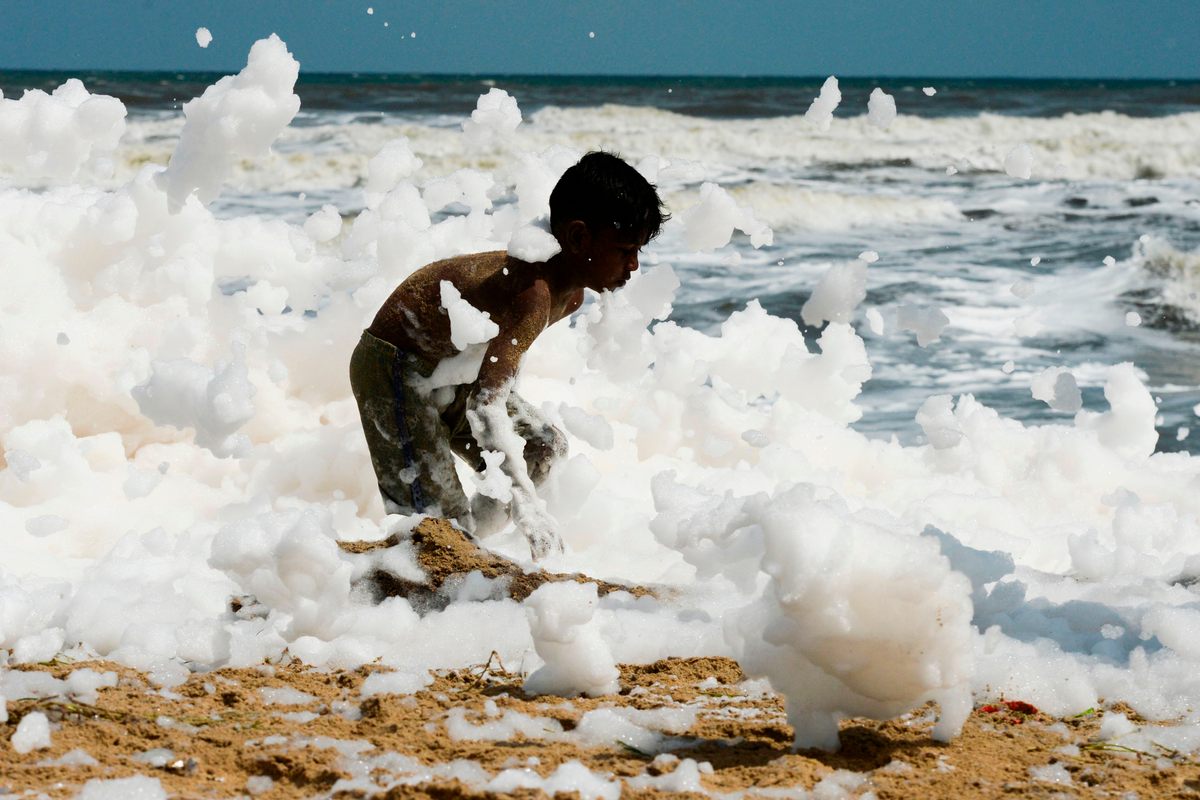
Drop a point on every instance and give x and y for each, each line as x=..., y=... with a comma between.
x=1116, y=175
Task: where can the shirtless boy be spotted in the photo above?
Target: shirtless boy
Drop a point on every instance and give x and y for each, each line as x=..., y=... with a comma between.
x=602, y=212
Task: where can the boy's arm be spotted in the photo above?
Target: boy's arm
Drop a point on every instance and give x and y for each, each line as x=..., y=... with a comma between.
x=491, y=426
x=529, y=317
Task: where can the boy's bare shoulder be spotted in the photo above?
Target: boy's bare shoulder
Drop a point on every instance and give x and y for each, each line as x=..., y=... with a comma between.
x=467, y=266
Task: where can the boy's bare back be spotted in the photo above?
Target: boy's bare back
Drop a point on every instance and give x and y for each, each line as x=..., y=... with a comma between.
x=518, y=296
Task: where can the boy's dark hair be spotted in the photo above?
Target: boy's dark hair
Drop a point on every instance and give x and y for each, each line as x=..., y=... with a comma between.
x=604, y=191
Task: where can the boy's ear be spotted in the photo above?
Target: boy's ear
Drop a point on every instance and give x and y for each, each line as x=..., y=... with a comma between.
x=576, y=237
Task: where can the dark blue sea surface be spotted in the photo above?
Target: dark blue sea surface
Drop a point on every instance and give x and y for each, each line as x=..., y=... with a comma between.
x=715, y=97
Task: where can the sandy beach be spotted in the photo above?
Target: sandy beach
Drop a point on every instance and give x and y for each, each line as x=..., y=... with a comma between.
x=216, y=736
x=678, y=727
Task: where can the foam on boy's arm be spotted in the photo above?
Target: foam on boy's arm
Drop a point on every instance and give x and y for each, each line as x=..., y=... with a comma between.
x=468, y=325
x=493, y=430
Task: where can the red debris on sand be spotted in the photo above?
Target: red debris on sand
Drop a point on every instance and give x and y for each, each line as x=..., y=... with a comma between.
x=1019, y=708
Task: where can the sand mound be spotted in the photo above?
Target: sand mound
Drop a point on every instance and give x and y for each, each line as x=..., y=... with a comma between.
x=447, y=556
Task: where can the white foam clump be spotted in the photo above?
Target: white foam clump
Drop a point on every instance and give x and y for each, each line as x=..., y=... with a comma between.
x=684, y=778
x=1019, y=162
x=398, y=682
x=929, y=91
x=577, y=660
x=533, y=243
x=493, y=482
x=1051, y=773
x=388, y=168
x=1128, y=426
x=259, y=784
x=204, y=37
x=499, y=726
x=1056, y=387
x=881, y=109
x=496, y=115
x=839, y=785
x=646, y=730
x=569, y=777
x=285, y=696
x=71, y=758
x=926, y=322
x=55, y=137
x=591, y=428
x=710, y=223
x=237, y=117
x=82, y=684
x=823, y=106
x=32, y=733
x=214, y=402
x=936, y=418
x=138, y=787
x=38, y=647
x=858, y=617
x=324, y=225
x=875, y=321
x=837, y=294
x=291, y=564
x=468, y=325
x=156, y=757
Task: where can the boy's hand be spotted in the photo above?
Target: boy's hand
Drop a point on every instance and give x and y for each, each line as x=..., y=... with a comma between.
x=540, y=531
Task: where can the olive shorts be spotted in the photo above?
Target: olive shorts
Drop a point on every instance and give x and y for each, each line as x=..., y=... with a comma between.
x=413, y=442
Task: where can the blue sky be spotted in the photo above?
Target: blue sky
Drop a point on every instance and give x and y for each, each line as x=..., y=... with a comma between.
x=951, y=38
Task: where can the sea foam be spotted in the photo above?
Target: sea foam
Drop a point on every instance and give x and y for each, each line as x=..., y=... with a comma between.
x=144, y=335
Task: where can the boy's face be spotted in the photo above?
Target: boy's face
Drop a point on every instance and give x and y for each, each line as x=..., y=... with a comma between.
x=613, y=257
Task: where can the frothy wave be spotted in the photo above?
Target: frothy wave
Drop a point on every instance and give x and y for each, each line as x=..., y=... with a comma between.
x=1179, y=273
x=784, y=207
x=1072, y=146
x=334, y=155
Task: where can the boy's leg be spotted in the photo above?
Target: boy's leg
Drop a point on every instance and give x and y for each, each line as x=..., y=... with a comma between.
x=409, y=447
x=391, y=452
x=490, y=515
x=435, y=456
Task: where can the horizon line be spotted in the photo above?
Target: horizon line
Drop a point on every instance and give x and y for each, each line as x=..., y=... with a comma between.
x=485, y=76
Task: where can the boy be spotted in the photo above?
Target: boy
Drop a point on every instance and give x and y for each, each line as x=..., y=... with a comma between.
x=602, y=212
